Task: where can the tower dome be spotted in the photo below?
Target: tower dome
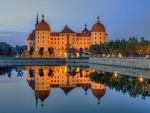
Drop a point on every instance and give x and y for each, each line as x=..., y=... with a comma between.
x=98, y=27
x=98, y=93
x=42, y=95
x=42, y=26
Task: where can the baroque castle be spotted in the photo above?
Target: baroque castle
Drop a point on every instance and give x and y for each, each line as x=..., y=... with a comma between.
x=62, y=41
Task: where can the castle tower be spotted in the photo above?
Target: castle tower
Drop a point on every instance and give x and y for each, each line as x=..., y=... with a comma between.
x=42, y=35
x=98, y=33
x=42, y=86
x=98, y=90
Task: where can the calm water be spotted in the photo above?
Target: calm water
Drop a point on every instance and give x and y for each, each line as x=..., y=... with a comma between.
x=63, y=89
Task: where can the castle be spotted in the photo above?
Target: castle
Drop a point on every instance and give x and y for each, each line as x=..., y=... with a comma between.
x=42, y=36
x=44, y=78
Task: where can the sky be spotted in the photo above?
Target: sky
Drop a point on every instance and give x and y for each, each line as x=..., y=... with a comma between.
x=121, y=18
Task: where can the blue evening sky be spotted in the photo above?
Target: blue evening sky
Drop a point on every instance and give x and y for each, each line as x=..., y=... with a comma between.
x=122, y=18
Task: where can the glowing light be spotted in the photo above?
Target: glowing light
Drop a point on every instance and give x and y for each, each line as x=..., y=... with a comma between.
x=115, y=74
x=141, y=78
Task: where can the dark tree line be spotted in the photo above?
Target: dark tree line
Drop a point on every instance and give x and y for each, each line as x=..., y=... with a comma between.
x=6, y=70
x=6, y=52
x=123, y=83
x=126, y=48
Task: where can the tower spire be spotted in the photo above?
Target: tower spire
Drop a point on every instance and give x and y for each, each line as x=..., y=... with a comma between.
x=37, y=21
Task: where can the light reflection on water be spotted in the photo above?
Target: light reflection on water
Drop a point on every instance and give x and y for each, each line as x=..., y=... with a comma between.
x=66, y=89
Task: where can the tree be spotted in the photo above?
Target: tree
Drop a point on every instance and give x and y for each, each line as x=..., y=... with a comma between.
x=41, y=72
x=51, y=51
x=9, y=51
x=31, y=51
x=41, y=51
x=80, y=51
x=31, y=73
x=20, y=51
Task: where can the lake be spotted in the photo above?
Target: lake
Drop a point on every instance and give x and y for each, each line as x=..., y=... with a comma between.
x=71, y=89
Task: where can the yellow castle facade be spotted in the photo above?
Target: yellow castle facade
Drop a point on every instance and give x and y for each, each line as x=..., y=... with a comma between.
x=42, y=36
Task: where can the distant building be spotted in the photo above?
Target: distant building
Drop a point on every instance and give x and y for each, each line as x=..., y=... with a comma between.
x=42, y=36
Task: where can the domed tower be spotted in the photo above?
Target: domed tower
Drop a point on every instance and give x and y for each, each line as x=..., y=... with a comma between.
x=98, y=90
x=42, y=84
x=42, y=35
x=98, y=33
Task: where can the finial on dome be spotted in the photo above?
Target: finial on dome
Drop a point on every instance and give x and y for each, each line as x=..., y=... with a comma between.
x=42, y=103
x=85, y=26
x=98, y=19
x=98, y=101
x=42, y=16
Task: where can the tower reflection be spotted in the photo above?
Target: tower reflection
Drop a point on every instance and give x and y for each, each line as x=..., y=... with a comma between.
x=42, y=78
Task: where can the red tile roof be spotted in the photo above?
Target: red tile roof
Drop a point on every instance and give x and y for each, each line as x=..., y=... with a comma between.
x=32, y=36
x=54, y=33
x=67, y=30
x=72, y=50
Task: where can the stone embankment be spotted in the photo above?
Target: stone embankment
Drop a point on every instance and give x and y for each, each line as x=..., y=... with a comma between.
x=32, y=61
x=122, y=62
x=122, y=70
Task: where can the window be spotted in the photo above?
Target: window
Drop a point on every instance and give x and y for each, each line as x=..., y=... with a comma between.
x=51, y=38
x=43, y=41
x=58, y=38
x=95, y=33
x=43, y=37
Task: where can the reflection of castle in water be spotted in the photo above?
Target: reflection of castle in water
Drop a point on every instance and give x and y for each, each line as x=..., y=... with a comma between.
x=43, y=78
